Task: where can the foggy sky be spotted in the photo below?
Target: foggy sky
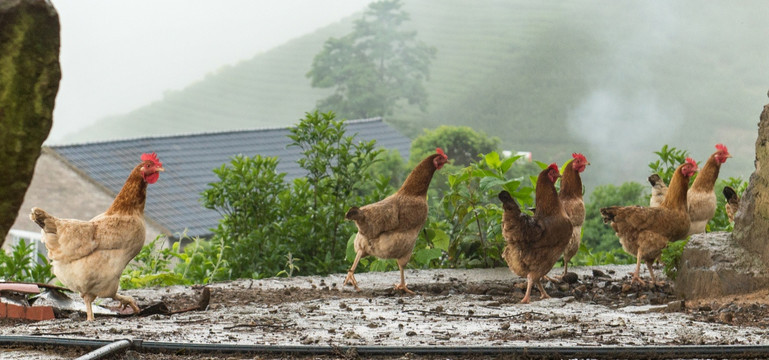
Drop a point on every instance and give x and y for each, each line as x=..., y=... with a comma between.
x=119, y=55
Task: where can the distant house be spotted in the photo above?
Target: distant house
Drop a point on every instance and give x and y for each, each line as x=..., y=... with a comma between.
x=80, y=181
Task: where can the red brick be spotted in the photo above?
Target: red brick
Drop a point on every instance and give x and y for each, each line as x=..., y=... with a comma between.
x=15, y=311
x=38, y=313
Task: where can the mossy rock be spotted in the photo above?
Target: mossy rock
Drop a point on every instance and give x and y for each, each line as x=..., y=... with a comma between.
x=29, y=81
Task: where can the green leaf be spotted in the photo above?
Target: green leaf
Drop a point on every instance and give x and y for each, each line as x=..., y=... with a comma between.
x=492, y=160
x=350, y=252
x=424, y=256
x=490, y=182
x=441, y=240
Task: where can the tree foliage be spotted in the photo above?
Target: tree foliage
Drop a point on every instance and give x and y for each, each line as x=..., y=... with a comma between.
x=596, y=235
x=462, y=144
x=269, y=226
x=375, y=66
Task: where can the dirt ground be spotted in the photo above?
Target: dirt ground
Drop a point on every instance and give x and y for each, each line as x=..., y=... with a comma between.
x=451, y=308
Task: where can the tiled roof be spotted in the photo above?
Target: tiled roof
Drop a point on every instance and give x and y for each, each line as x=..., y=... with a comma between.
x=173, y=202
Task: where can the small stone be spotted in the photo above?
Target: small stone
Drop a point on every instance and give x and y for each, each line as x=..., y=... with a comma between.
x=726, y=317
x=598, y=273
x=626, y=288
x=411, y=333
x=570, y=278
x=675, y=306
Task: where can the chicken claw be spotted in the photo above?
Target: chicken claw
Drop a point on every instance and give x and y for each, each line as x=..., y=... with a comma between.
x=404, y=288
x=350, y=279
x=637, y=279
x=126, y=301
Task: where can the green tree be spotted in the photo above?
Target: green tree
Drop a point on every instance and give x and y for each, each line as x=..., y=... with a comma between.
x=596, y=235
x=375, y=66
x=461, y=144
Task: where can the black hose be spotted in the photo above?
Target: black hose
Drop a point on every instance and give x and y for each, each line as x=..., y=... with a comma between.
x=595, y=352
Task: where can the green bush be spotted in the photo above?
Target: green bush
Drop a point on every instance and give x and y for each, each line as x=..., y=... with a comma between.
x=266, y=221
x=596, y=235
x=18, y=266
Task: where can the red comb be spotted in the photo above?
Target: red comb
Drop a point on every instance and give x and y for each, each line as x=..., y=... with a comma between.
x=722, y=148
x=152, y=157
x=553, y=166
x=579, y=156
x=691, y=162
x=441, y=153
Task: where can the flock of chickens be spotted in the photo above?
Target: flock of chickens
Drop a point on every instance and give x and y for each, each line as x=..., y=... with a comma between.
x=89, y=256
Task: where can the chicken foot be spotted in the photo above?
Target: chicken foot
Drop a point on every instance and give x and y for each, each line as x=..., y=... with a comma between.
x=402, y=285
x=636, y=277
x=350, y=279
x=126, y=300
x=650, y=265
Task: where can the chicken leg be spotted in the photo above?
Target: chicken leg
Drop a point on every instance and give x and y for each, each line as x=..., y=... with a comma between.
x=88, y=299
x=401, y=264
x=636, y=276
x=544, y=294
x=529, y=283
x=649, y=265
x=350, y=279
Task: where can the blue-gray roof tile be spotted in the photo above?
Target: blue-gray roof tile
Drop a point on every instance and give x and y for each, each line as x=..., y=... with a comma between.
x=173, y=202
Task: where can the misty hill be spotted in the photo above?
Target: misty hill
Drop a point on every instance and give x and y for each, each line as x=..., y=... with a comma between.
x=614, y=80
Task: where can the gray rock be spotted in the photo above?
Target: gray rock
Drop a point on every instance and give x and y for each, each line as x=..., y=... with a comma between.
x=717, y=264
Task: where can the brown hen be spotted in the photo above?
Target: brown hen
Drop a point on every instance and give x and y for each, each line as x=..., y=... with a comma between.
x=388, y=229
x=534, y=243
x=645, y=231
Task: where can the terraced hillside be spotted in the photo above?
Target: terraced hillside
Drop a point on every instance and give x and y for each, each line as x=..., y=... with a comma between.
x=615, y=80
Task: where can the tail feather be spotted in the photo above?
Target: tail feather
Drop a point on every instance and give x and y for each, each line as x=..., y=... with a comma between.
x=508, y=202
x=354, y=214
x=654, y=179
x=730, y=194
x=43, y=219
x=608, y=214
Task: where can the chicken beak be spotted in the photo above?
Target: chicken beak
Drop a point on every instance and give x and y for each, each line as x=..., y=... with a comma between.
x=160, y=169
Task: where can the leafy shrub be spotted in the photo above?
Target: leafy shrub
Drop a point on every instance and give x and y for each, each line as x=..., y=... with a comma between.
x=201, y=262
x=472, y=215
x=596, y=235
x=267, y=222
x=669, y=159
x=18, y=266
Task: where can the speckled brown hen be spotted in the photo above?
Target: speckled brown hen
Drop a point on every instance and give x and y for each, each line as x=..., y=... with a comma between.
x=645, y=231
x=89, y=256
x=388, y=229
x=534, y=243
x=571, y=200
